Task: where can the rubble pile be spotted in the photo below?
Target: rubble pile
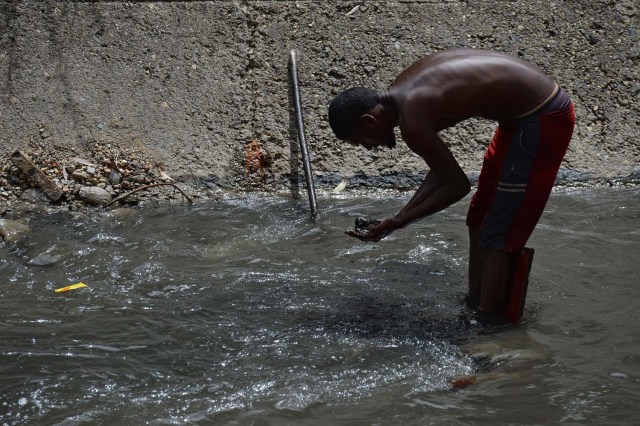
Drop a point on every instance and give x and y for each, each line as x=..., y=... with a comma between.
x=95, y=177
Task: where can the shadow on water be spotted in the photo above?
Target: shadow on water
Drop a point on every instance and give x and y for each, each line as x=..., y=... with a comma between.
x=372, y=317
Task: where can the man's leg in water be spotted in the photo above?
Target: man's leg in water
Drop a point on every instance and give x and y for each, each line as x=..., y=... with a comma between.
x=475, y=267
x=496, y=280
x=489, y=275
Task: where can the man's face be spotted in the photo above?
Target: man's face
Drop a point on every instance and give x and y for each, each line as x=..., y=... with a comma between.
x=373, y=136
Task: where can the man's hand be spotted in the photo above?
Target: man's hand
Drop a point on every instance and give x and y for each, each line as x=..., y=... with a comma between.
x=375, y=232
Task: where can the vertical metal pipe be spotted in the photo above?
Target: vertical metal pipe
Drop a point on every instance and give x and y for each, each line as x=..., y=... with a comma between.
x=308, y=174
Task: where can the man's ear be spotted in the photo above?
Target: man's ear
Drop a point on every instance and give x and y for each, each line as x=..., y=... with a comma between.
x=368, y=120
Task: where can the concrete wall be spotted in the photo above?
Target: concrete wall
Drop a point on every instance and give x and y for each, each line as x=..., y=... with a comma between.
x=190, y=83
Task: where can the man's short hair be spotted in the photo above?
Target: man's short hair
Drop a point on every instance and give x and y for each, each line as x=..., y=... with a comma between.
x=346, y=109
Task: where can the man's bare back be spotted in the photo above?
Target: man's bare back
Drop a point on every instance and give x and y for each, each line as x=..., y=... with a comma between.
x=453, y=85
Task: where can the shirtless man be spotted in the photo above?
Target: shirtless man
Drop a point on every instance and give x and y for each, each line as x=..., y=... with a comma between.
x=535, y=123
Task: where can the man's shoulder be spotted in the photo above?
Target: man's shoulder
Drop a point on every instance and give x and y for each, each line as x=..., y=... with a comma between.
x=423, y=101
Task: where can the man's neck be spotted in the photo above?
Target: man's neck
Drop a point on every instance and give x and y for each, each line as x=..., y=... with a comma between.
x=390, y=106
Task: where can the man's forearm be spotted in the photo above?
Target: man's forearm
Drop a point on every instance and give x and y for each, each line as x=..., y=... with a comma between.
x=432, y=199
x=429, y=185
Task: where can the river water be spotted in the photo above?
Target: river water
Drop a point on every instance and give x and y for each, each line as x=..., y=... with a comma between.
x=245, y=312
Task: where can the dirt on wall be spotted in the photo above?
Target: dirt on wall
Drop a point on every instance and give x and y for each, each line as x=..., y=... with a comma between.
x=188, y=85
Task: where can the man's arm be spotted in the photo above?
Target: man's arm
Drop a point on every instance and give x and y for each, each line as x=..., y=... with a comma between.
x=429, y=185
x=446, y=182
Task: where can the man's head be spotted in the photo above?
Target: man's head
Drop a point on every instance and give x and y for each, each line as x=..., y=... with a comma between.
x=357, y=116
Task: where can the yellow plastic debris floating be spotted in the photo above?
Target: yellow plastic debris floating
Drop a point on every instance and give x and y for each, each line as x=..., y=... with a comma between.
x=71, y=287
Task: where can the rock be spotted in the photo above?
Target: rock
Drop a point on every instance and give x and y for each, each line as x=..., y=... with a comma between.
x=45, y=259
x=94, y=195
x=362, y=224
x=115, y=178
x=136, y=178
x=571, y=176
x=34, y=196
x=80, y=175
x=12, y=230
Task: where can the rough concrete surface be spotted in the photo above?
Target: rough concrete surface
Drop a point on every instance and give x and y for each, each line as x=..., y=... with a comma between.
x=191, y=83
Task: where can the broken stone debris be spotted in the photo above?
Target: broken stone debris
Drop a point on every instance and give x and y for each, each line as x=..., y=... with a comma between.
x=30, y=169
x=38, y=177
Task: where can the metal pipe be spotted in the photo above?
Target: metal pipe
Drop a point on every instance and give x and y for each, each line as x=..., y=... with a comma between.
x=308, y=174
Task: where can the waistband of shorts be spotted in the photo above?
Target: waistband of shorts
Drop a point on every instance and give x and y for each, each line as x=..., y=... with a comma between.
x=560, y=101
x=542, y=104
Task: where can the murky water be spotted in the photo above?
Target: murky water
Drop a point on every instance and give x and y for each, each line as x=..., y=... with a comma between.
x=244, y=312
